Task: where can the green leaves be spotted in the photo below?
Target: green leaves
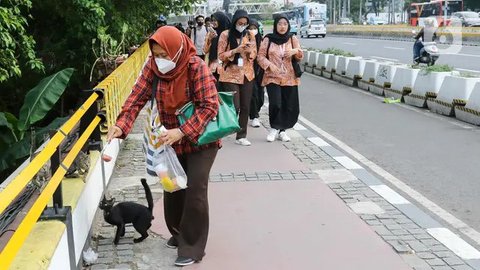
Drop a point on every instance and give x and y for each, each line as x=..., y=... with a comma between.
x=17, y=46
x=40, y=100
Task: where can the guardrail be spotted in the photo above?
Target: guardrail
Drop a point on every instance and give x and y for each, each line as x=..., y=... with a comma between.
x=105, y=102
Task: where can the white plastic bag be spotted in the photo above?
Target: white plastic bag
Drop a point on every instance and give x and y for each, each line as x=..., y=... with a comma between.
x=171, y=175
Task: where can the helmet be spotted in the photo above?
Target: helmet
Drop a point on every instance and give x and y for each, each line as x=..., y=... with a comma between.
x=429, y=22
x=161, y=20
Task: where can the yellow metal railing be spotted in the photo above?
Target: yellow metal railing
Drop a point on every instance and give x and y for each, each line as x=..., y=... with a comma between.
x=116, y=88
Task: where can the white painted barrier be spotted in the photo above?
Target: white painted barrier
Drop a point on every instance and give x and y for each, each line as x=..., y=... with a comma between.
x=384, y=78
x=402, y=83
x=426, y=82
x=455, y=90
x=332, y=63
x=356, y=68
x=323, y=60
x=471, y=112
x=312, y=61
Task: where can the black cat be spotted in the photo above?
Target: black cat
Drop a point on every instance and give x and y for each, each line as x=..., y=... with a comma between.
x=129, y=212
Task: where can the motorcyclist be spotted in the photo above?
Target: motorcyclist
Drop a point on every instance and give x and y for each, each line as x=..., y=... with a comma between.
x=428, y=32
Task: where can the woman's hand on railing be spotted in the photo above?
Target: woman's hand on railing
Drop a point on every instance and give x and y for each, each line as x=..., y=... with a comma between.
x=114, y=132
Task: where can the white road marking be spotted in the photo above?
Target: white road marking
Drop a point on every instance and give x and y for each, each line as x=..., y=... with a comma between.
x=318, y=141
x=299, y=126
x=389, y=194
x=425, y=202
x=461, y=54
x=463, y=249
x=383, y=58
x=349, y=43
x=348, y=163
x=394, y=48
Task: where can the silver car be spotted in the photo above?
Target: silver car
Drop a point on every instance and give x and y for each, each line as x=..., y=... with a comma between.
x=468, y=18
x=313, y=28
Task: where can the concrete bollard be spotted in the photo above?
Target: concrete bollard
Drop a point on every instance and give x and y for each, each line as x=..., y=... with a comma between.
x=471, y=112
x=455, y=91
x=402, y=83
x=384, y=78
x=426, y=85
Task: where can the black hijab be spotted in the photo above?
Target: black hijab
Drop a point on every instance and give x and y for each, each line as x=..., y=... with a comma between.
x=223, y=24
x=258, y=36
x=233, y=34
x=276, y=37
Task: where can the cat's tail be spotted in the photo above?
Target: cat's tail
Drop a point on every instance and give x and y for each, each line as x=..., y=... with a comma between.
x=148, y=194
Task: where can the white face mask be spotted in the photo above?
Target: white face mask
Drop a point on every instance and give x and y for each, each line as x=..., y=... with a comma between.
x=240, y=28
x=254, y=32
x=164, y=65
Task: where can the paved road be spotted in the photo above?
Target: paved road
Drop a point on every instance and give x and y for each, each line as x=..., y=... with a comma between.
x=468, y=57
x=437, y=156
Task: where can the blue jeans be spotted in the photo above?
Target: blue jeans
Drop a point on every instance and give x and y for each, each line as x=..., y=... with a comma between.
x=416, y=49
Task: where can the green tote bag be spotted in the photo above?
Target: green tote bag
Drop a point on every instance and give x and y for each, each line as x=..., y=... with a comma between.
x=224, y=124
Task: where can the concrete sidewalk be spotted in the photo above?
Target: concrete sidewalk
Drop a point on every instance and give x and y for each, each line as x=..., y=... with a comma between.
x=269, y=209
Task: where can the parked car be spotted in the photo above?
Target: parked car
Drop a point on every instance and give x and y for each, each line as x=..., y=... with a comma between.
x=293, y=27
x=468, y=18
x=313, y=28
x=345, y=21
x=376, y=21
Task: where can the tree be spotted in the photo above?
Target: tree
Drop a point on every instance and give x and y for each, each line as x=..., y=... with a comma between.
x=17, y=46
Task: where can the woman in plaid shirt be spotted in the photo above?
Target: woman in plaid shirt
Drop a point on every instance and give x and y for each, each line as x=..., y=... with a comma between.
x=182, y=77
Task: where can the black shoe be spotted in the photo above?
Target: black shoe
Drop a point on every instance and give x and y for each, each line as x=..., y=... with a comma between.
x=172, y=243
x=184, y=261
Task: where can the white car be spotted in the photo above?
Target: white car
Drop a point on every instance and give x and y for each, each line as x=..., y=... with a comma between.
x=313, y=28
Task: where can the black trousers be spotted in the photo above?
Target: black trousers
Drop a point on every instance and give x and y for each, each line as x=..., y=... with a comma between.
x=284, y=107
x=242, y=98
x=186, y=211
x=258, y=98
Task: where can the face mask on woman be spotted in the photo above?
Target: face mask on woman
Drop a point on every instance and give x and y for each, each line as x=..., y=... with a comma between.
x=240, y=28
x=164, y=65
x=254, y=31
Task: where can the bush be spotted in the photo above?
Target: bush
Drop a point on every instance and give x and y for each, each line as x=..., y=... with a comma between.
x=438, y=68
x=338, y=52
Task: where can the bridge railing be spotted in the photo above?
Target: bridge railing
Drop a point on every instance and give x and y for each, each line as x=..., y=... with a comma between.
x=106, y=100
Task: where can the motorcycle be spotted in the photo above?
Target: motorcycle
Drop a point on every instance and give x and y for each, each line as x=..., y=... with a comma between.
x=429, y=53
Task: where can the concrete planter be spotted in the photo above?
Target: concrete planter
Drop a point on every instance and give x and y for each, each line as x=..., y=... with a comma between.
x=332, y=63
x=402, y=83
x=455, y=91
x=425, y=83
x=343, y=62
x=355, y=68
x=471, y=112
x=326, y=74
x=312, y=60
x=306, y=57
x=369, y=74
x=322, y=60
x=384, y=78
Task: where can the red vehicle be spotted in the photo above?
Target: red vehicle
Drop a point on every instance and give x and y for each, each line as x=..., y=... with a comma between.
x=434, y=9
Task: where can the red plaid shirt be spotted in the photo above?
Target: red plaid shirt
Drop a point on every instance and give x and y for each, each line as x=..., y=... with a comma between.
x=204, y=96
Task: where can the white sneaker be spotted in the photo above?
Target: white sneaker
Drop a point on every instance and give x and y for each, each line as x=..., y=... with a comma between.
x=272, y=136
x=243, y=141
x=255, y=123
x=284, y=137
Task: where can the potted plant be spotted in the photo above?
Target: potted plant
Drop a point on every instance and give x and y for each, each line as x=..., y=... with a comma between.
x=470, y=113
x=455, y=91
x=403, y=81
x=427, y=84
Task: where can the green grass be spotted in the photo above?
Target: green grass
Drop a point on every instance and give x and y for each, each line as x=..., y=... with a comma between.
x=336, y=51
x=267, y=22
x=438, y=68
